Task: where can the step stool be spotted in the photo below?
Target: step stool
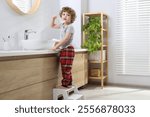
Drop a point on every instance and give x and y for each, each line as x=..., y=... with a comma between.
x=62, y=91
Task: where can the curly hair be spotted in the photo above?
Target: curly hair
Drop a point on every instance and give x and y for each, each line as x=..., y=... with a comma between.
x=70, y=11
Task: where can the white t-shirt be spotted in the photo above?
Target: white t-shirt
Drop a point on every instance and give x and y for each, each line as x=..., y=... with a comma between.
x=66, y=29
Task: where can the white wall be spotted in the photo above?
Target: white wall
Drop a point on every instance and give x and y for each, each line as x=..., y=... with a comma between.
x=109, y=7
x=11, y=22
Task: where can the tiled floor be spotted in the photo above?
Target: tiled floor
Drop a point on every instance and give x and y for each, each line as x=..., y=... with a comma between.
x=94, y=92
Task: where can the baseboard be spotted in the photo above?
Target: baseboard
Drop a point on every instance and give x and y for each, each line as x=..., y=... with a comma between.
x=128, y=85
x=96, y=82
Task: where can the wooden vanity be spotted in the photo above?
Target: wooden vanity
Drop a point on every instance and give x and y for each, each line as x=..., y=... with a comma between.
x=33, y=76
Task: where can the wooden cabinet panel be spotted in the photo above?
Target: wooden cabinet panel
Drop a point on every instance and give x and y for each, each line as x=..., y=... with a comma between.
x=79, y=71
x=20, y=73
x=37, y=91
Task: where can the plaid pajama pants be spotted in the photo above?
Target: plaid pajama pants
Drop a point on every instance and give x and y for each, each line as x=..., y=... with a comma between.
x=66, y=60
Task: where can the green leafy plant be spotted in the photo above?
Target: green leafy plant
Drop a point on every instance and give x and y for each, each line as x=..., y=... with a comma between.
x=92, y=31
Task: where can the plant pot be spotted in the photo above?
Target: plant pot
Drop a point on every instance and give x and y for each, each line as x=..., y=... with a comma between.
x=96, y=56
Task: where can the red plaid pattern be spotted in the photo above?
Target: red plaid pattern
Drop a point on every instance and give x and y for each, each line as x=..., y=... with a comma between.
x=66, y=61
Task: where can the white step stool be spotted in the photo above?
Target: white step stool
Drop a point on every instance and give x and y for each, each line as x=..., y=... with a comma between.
x=62, y=91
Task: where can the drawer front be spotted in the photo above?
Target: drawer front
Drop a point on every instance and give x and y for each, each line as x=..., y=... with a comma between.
x=20, y=73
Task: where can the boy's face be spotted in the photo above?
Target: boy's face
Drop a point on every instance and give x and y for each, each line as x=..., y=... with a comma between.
x=66, y=17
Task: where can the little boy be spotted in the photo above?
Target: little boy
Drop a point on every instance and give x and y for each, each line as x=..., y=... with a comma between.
x=67, y=53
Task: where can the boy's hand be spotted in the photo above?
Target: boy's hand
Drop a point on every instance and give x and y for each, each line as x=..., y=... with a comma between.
x=53, y=24
x=54, y=17
x=54, y=48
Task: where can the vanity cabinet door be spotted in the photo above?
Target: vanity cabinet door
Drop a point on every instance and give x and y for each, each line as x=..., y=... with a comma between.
x=30, y=78
x=79, y=70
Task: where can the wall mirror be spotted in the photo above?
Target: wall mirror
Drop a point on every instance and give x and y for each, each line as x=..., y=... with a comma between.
x=24, y=6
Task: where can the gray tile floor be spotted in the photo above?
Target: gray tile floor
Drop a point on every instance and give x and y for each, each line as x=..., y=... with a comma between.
x=95, y=92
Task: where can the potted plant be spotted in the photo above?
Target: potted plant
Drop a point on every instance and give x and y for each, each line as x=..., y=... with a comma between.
x=92, y=30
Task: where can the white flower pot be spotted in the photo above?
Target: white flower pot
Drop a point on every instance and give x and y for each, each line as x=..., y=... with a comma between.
x=96, y=56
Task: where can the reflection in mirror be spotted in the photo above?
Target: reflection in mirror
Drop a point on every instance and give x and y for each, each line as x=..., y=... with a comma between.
x=24, y=6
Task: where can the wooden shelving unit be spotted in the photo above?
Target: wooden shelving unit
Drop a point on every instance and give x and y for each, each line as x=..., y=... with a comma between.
x=103, y=64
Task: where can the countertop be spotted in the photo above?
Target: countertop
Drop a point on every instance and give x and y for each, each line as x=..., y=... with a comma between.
x=31, y=52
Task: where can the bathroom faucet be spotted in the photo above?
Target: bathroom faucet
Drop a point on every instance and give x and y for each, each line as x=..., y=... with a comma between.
x=27, y=32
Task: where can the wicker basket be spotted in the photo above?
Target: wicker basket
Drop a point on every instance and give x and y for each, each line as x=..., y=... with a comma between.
x=95, y=72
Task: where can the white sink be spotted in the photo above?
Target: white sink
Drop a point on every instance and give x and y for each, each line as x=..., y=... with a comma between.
x=34, y=44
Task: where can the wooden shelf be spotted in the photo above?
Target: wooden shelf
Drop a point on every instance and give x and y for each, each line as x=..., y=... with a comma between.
x=96, y=62
x=104, y=30
x=102, y=64
x=98, y=78
x=92, y=14
x=104, y=45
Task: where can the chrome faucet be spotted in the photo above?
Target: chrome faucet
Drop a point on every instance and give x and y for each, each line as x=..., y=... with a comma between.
x=27, y=32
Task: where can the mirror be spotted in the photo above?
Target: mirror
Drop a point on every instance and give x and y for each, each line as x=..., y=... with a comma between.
x=24, y=6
